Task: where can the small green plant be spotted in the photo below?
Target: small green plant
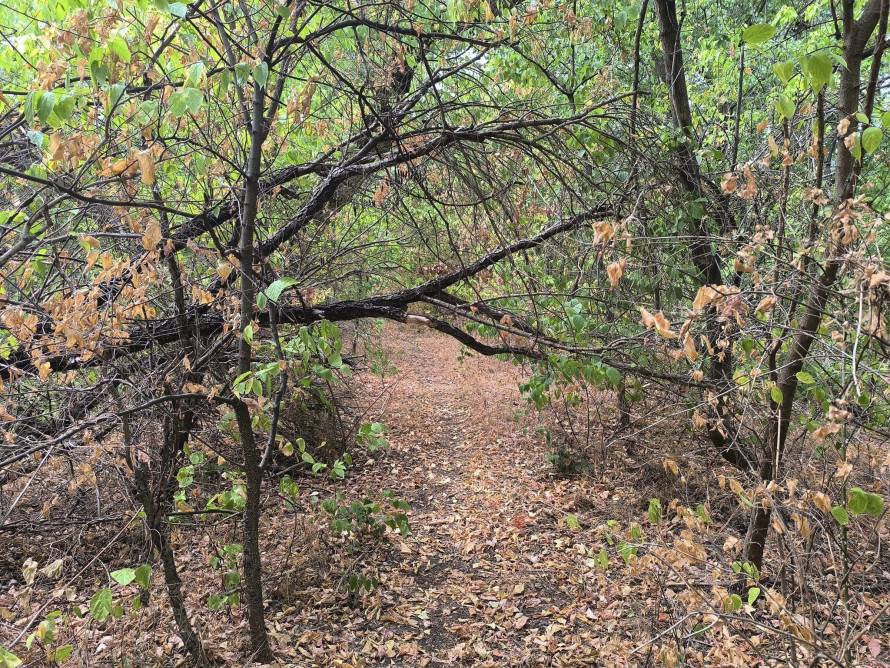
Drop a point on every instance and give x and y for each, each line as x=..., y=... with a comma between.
x=380, y=363
x=360, y=584
x=226, y=560
x=567, y=460
x=655, y=511
x=367, y=517
x=371, y=436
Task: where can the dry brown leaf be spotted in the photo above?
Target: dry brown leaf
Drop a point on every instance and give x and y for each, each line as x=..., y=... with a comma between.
x=822, y=432
x=822, y=502
x=616, y=271
x=706, y=295
x=146, y=166
x=689, y=349
x=152, y=236
x=603, y=231
x=766, y=304
x=663, y=326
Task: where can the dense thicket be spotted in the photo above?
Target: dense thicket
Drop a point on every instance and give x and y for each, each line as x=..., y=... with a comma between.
x=629, y=196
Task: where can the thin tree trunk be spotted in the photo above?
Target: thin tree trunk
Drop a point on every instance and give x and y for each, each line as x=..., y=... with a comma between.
x=253, y=575
x=159, y=530
x=856, y=35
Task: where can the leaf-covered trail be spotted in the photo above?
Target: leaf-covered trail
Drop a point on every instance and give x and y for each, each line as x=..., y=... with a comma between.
x=491, y=574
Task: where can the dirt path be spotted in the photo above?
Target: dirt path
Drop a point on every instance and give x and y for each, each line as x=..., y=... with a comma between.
x=491, y=575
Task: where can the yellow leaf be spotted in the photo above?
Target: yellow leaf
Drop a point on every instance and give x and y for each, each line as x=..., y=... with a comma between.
x=224, y=268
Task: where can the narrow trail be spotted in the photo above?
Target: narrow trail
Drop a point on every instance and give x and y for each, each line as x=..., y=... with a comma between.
x=491, y=575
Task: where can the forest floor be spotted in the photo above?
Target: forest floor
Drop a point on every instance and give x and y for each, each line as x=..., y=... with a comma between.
x=492, y=573
x=507, y=563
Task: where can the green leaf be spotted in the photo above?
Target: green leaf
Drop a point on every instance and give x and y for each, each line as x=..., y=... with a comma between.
x=62, y=653
x=100, y=605
x=120, y=48
x=874, y=505
x=784, y=71
x=573, y=523
x=193, y=99
x=8, y=659
x=613, y=376
x=785, y=107
x=655, y=513
x=178, y=9
x=804, y=377
x=193, y=78
x=885, y=119
x=273, y=292
x=124, y=576
x=143, y=576
x=758, y=33
x=225, y=80
x=776, y=394
x=185, y=100
x=28, y=111
x=871, y=139
x=242, y=71
x=261, y=74
x=45, y=106
x=861, y=117
x=753, y=593
x=65, y=106
x=819, y=68
x=248, y=334
x=840, y=515
x=858, y=501
x=735, y=603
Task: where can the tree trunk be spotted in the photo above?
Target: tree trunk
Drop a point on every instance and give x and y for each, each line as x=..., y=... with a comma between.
x=253, y=574
x=159, y=530
x=856, y=35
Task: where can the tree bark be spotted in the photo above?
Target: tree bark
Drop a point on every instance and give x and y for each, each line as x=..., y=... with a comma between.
x=253, y=572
